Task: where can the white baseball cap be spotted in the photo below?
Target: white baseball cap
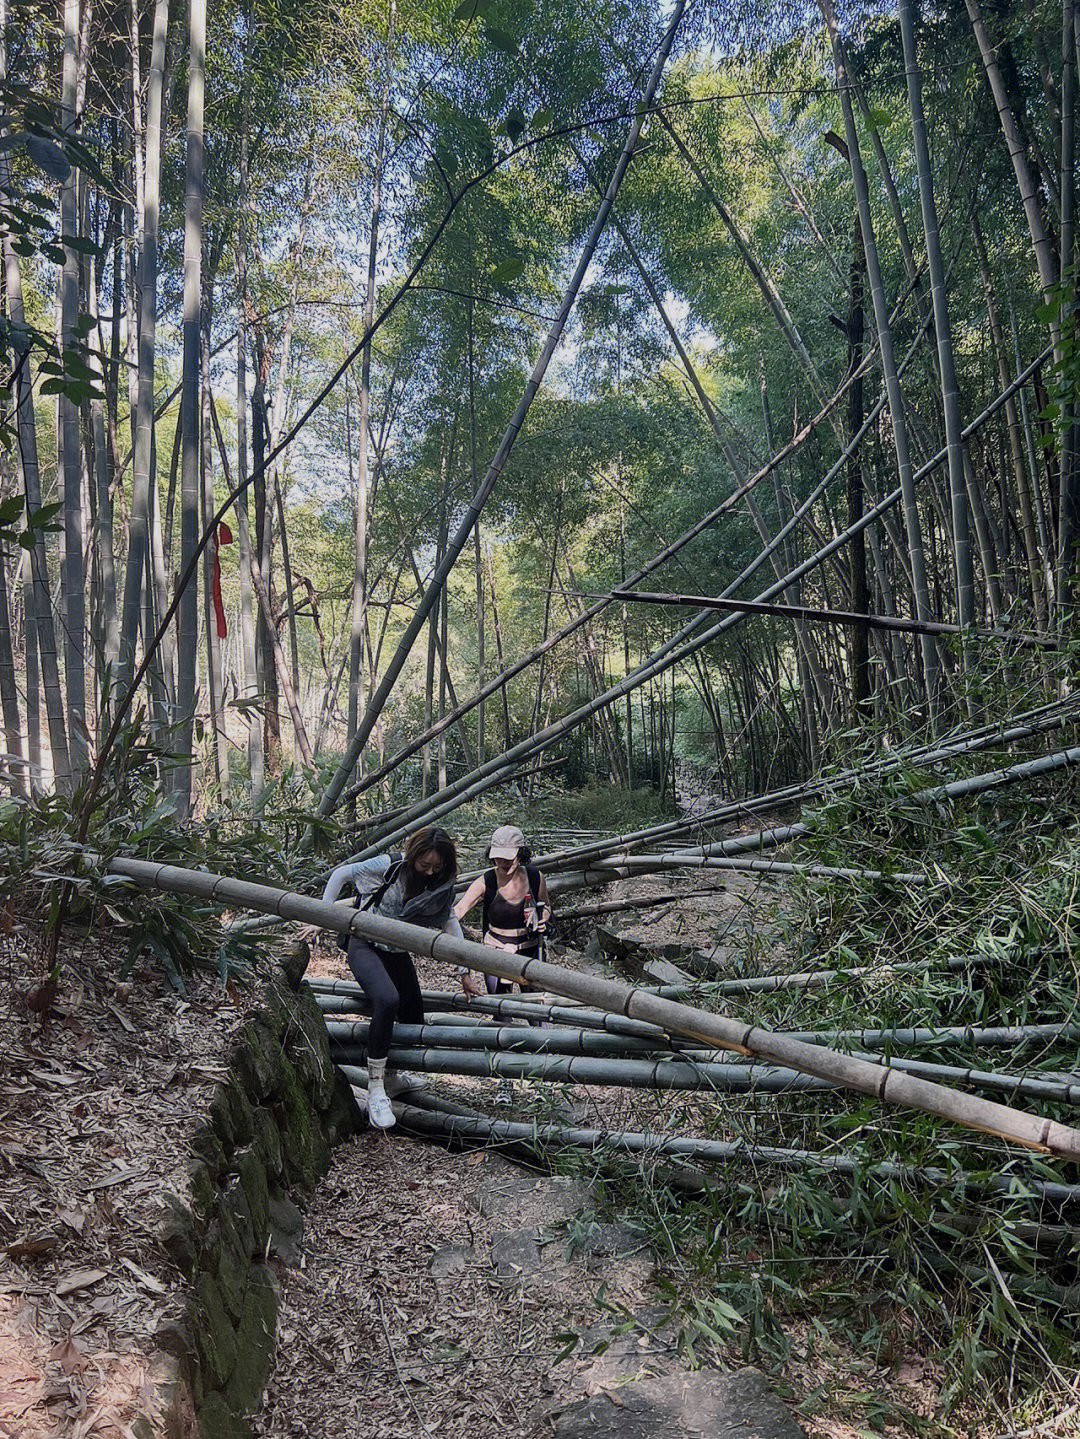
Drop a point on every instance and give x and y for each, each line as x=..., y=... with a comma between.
x=506, y=842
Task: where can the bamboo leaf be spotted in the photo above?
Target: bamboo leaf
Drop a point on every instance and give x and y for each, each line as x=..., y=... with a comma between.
x=507, y=270
x=501, y=40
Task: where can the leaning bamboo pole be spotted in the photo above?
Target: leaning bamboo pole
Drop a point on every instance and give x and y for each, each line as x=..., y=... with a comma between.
x=683, y=859
x=722, y=1152
x=955, y=789
x=885, y=1084
x=814, y=614
x=686, y=642
x=1046, y=717
x=377, y=700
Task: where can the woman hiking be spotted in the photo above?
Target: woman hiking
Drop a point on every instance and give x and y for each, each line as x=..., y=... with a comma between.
x=416, y=885
x=515, y=899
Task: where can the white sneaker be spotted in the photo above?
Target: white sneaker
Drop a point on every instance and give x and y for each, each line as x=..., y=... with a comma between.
x=380, y=1115
x=398, y=1081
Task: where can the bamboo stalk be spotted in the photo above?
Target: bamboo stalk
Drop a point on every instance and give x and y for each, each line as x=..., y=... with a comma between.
x=604, y=872
x=884, y=1084
x=721, y=1152
x=487, y=1037
x=558, y=1068
x=377, y=700
x=634, y=901
x=840, y=617
x=1046, y=717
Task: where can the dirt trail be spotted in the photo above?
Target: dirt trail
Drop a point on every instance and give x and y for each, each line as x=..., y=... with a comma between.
x=460, y=1294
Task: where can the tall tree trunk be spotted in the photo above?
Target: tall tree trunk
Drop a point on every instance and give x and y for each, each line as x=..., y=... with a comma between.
x=859, y=651
x=393, y=670
x=9, y=697
x=70, y=448
x=188, y=613
x=215, y=668
x=262, y=592
x=1041, y=237
x=498, y=645
x=888, y=362
x=250, y=684
x=39, y=614
x=950, y=391
x=105, y=559
x=1069, y=502
x=359, y=596
x=1015, y=434
x=139, y=518
x=478, y=565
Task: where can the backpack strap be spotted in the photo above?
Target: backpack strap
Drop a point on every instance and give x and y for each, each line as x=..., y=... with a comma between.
x=532, y=874
x=491, y=885
x=375, y=898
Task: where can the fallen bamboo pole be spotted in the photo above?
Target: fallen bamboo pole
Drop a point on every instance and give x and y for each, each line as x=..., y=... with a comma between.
x=352, y=1037
x=687, y=859
x=757, y=984
x=886, y=1084
x=496, y=1007
x=713, y=1151
x=1005, y=1036
x=812, y=614
x=347, y=1042
x=659, y=1074
x=633, y=901
x=1024, y=726
x=682, y=1176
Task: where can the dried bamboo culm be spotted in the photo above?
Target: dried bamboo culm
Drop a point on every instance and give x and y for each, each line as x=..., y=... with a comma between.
x=883, y=1083
x=713, y=1151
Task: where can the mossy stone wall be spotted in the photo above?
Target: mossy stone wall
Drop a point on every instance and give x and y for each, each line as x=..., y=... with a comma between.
x=265, y=1141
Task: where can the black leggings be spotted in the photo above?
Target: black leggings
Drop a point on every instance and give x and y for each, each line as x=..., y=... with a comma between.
x=389, y=981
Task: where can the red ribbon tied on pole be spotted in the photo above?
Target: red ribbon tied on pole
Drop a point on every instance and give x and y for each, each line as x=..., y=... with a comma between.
x=224, y=537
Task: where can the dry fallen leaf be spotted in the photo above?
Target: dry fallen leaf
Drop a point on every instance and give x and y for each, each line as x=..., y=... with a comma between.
x=131, y=1172
x=74, y=1219
x=71, y=1357
x=27, y=1248
x=121, y=1016
x=147, y=1280
x=80, y=1279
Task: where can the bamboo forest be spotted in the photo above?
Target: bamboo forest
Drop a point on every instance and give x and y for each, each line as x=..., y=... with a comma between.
x=540, y=679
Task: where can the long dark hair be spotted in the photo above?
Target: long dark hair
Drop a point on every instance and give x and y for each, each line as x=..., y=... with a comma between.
x=422, y=842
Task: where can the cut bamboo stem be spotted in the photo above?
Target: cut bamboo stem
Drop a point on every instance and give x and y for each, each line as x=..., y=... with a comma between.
x=1032, y=1086
x=722, y=1152
x=883, y=1083
x=659, y=1074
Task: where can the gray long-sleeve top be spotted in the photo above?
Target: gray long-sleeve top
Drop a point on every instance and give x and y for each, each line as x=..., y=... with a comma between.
x=431, y=908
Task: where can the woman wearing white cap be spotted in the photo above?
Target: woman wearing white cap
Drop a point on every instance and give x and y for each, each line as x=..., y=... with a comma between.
x=515, y=899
